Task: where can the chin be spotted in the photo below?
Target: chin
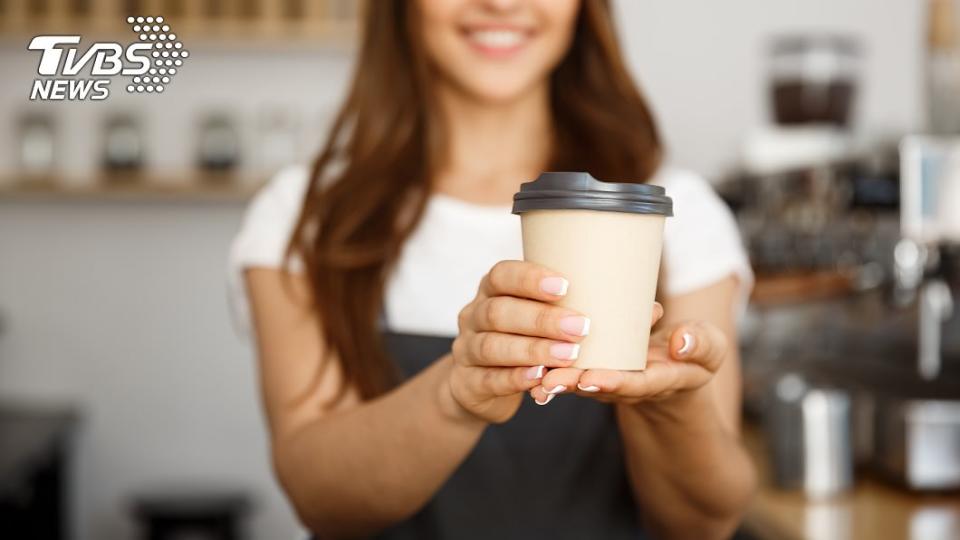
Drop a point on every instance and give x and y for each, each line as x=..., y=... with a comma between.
x=497, y=87
x=499, y=95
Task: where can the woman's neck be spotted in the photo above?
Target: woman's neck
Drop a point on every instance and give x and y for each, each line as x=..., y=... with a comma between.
x=493, y=147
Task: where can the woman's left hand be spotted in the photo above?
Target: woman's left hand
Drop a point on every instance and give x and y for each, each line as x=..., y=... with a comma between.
x=681, y=359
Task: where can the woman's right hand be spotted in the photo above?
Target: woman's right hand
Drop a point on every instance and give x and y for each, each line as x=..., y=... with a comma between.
x=509, y=335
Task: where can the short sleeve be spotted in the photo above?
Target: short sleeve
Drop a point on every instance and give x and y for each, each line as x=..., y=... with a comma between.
x=264, y=234
x=701, y=242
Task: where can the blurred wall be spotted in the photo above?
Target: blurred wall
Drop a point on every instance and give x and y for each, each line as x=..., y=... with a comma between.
x=703, y=66
x=120, y=308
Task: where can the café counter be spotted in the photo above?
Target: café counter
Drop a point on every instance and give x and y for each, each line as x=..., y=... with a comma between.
x=874, y=509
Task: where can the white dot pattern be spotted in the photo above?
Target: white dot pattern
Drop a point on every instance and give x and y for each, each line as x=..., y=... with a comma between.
x=166, y=52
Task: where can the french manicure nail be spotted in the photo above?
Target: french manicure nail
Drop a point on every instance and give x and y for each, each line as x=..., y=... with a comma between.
x=534, y=373
x=575, y=325
x=688, y=344
x=565, y=351
x=590, y=388
x=554, y=285
x=546, y=400
x=556, y=389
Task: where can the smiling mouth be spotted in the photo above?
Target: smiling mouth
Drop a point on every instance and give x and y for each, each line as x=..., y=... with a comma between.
x=498, y=41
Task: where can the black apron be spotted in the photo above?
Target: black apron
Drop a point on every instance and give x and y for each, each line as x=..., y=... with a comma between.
x=550, y=472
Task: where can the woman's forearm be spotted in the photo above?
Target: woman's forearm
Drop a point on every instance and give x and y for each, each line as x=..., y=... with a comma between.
x=690, y=474
x=355, y=472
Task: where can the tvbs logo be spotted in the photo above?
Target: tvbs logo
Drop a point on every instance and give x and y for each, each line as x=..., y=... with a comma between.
x=151, y=62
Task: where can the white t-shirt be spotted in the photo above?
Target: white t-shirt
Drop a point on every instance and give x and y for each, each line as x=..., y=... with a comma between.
x=457, y=242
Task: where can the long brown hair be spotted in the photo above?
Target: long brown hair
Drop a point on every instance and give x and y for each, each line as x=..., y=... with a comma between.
x=371, y=182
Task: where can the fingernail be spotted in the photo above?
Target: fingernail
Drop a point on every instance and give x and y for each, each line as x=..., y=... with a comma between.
x=565, y=351
x=575, y=325
x=556, y=389
x=554, y=285
x=546, y=400
x=688, y=343
x=534, y=373
x=590, y=388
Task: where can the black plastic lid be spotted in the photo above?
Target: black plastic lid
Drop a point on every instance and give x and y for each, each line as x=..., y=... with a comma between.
x=580, y=191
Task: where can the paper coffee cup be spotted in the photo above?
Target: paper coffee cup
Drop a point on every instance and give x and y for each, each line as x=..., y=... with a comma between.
x=606, y=239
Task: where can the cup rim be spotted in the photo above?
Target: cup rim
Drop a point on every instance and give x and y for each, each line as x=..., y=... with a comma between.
x=581, y=191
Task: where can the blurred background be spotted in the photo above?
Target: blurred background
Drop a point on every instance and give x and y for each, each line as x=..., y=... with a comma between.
x=128, y=399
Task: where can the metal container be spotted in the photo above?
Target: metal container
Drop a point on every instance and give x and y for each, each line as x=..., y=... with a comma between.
x=810, y=431
x=918, y=442
x=37, y=150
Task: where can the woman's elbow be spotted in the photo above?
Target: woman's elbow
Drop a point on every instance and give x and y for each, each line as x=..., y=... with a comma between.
x=291, y=484
x=723, y=520
x=717, y=519
x=324, y=510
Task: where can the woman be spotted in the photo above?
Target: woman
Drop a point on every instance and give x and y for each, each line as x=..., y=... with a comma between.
x=396, y=233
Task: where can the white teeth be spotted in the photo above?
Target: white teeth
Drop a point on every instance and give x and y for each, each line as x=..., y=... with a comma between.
x=501, y=39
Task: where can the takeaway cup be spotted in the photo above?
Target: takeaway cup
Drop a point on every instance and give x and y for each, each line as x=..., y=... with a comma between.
x=606, y=239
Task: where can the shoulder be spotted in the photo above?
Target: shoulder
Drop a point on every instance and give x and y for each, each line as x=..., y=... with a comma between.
x=261, y=241
x=696, y=206
x=269, y=220
x=702, y=242
x=281, y=196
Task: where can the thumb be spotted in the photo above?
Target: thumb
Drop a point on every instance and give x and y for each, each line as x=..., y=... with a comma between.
x=699, y=342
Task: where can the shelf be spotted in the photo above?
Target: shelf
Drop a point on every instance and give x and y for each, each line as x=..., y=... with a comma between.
x=335, y=35
x=328, y=22
x=799, y=287
x=203, y=188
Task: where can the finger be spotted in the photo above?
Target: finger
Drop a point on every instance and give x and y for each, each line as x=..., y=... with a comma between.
x=528, y=317
x=555, y=382
x=699, y=342
x=524, y=280
x=658, y=379
x=657, y=313
x=507, y=381
x=495, y=349
x=560, y=380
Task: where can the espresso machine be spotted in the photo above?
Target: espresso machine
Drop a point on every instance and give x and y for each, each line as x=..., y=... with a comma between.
x=867, y=377
x=925, y=258
x=851, y=345
x=917, y=427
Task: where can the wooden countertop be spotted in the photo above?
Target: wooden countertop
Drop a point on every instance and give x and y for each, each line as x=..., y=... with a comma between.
x=873, y=510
